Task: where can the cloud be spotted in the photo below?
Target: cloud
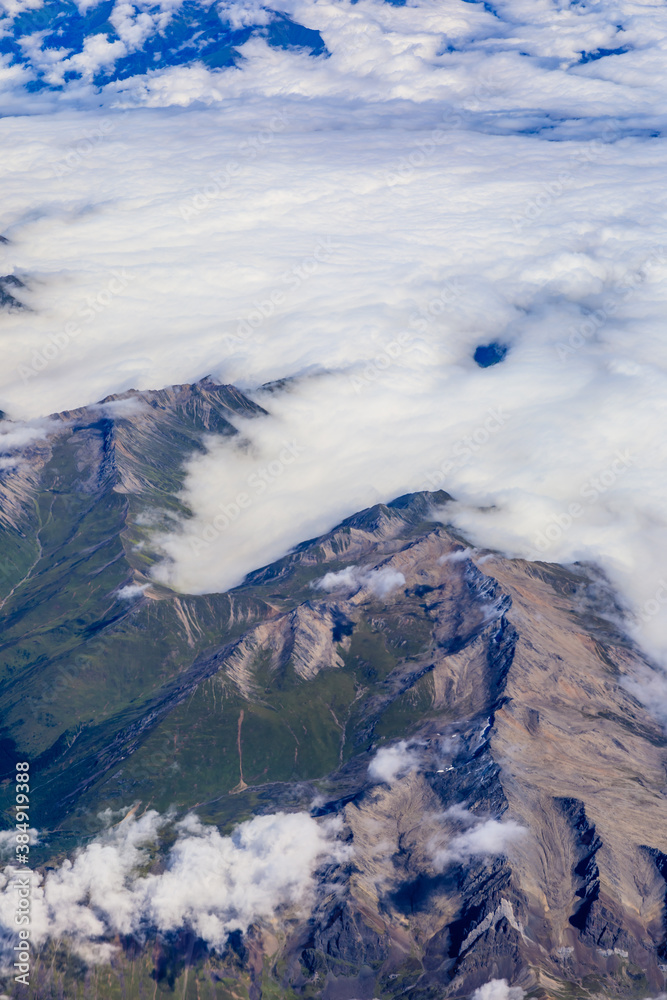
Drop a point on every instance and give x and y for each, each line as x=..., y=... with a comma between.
x=13, y=7
x=253, y=12
x=392, y=763
x=131, y=591
x=8, y=841
x=458, y=555
x=85, y=5
x=121, y=408
x=379, y=52
x=380, y=582
x=18, y=436
x=488, y=837
x=134, y=26
x=211, y=884
x=498, y=989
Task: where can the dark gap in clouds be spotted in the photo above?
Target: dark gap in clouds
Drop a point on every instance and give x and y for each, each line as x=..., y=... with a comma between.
x=587, y=57
x=489, y=8
x=487, y=355
x=285, y=33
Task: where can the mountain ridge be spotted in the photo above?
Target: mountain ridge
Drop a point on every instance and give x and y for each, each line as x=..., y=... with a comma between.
x=523, y=811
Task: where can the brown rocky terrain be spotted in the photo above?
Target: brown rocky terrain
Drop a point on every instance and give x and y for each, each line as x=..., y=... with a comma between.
x=518, y=832
x=526, y=719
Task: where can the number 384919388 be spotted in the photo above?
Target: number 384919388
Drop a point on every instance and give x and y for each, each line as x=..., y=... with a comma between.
x=22, y=812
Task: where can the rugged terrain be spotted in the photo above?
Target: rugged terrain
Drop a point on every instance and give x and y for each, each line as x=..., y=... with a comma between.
x=505, y=680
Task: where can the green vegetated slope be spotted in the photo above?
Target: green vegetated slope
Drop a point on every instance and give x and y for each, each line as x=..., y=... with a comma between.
x=80, y=664
x=276, y=695
x=115, y=700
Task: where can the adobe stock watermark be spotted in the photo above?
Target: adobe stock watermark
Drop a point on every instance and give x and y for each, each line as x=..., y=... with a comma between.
x=551, y=191
x=387, y=357
x=592, y=491
x=437, y=306
x=220, y=181
x=290, y=281
x=654, y=605
x=422, y=151
x=424, y=148
x=468, y=446
x=580, y=333
x=258, y=482
x=81, y=149
x=59, y=342
x=404, y=343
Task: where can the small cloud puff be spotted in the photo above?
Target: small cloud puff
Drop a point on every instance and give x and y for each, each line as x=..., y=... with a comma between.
x=498, y=989
x=8, y=841
x=122, y=408
x=456, y=555
x=250, y=14
x=392, y=763
x=491, y=836
x=131, y=591
x=380, y=582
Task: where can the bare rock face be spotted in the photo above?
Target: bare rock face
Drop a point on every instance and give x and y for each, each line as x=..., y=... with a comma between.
x=535, y=729
x=526, y=837
x=309, y=638
x=467, y=718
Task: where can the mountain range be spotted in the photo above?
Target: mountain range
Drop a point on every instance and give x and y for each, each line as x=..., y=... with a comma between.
x=467, y=720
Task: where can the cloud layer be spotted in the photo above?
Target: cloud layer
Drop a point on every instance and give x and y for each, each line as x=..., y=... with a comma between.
x=491, y=836
x=450, y=176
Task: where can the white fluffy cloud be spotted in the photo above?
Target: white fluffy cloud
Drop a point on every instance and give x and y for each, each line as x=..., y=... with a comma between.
x=8, y=842
x=134, y=26
x=380, y=582
x=485, y=837
x=498, y=989
x=212, y=884
x=490, y=837
x=394, y=762
x=131, y=591
x=252, y=12
x=15, y=437
x=14, y=7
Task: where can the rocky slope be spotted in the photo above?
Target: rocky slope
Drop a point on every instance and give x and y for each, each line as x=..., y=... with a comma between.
x=521, y=832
